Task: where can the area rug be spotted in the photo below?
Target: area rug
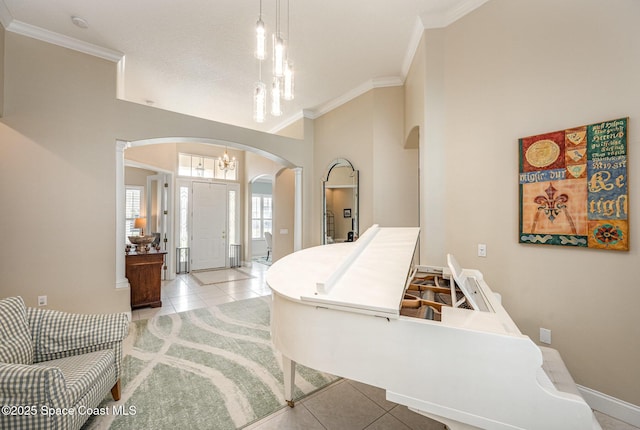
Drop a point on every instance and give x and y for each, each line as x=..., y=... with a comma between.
x=262, y=260
x=210, y=368
x=209, y=277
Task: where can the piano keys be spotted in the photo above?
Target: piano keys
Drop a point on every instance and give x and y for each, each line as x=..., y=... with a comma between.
x=339, y=309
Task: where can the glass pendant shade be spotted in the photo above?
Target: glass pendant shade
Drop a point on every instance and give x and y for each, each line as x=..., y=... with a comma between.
x=276, y=108
x=282, y=84
x=259, y=102
x=287, y=91
x=260, y=40
x=278, y=55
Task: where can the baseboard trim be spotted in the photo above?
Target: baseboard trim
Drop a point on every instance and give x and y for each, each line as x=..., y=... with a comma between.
x=616, y=408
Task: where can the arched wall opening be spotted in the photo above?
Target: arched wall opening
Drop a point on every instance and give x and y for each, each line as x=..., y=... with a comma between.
x=120, y=148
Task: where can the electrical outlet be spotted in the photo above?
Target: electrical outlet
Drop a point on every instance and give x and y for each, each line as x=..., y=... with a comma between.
x=482, y=250
x=42, y=300
x=545, y=336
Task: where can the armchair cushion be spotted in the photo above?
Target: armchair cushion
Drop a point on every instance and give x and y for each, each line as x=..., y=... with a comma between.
x=59, y=334
x=81, y=372
x=23, y=384
x=16, y=345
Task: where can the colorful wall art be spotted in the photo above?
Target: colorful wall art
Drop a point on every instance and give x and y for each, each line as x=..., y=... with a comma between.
x=573, y=187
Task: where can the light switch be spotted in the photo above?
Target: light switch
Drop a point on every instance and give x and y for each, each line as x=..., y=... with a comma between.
x=545, y=336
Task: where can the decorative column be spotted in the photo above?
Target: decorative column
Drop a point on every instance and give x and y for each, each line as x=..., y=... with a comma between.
x=121, y=279
x=297, y=210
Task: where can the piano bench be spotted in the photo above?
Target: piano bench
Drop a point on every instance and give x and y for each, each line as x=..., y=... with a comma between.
x=557, y=372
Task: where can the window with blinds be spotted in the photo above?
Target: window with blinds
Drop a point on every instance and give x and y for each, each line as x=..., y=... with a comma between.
x=133, y=205
x=261, y=215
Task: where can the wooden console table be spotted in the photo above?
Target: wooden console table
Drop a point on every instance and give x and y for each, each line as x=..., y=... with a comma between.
x=144, y=272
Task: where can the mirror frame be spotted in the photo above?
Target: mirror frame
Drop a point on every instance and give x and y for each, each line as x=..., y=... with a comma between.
x=355, y=213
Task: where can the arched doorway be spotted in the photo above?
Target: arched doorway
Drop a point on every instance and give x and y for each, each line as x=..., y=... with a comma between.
x=120, y=148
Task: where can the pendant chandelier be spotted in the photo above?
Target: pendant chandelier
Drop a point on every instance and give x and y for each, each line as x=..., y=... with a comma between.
x=282, y=81
x=225, y=163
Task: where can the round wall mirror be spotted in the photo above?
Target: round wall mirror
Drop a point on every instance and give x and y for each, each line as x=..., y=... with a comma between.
x=340, y=202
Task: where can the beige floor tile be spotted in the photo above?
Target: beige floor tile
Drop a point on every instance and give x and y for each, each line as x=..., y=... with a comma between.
x=378, y=395
x=415, y=421
x=218, y=300
x=242, y=295
x=234, y=287
x=343, y=407
x=210, y=291
x=147, y=313
x=610, y=423
x=297, y=418
x=175, y=290
x=387, y=422
x=187, y=303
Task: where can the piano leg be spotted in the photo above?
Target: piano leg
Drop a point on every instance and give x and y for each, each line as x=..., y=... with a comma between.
x=289, y=369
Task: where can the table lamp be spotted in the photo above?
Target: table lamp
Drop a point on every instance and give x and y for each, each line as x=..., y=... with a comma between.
x=140, y=223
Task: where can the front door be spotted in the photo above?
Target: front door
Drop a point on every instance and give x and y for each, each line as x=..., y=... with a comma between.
x=209, y=237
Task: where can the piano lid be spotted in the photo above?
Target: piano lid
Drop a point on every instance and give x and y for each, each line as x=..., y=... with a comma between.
x=368, y=275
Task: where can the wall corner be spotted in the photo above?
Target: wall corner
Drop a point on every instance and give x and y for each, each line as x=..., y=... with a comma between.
x=2, y=33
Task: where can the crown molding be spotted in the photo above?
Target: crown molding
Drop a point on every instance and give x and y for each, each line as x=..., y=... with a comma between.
x=414, y=42
x=5, y=15
x=434, y=21
x=287, y=122
x=34, y=32
x=461, y=10
x=392, y=81
x=449, y=16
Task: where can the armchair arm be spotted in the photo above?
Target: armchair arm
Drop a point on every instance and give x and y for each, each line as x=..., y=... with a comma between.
x=59, y=334
x=26, y=385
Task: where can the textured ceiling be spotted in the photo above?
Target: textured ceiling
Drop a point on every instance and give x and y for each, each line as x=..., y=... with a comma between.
x=196, y=56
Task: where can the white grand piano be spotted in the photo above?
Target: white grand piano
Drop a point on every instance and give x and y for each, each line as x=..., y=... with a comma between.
x=436, y=339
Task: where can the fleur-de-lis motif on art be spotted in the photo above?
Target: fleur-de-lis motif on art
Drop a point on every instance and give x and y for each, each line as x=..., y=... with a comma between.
x=551, y=206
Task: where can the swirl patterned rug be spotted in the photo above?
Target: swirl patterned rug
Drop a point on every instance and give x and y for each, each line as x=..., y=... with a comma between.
x=210, y=368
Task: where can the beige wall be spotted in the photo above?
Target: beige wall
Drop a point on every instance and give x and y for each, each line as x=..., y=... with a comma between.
x=345, y=132
x=1, y=70
x=368, y=131
x=395, y=168
x=514, y=69
x=136, y=176
x=283, y=213
x=57, y=140
x=424, y=116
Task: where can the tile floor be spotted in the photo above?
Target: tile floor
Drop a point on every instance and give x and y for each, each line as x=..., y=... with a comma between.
x=344, y=405
x=185, y=292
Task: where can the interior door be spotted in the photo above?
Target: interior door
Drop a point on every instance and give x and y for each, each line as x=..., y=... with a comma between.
x=209, y=216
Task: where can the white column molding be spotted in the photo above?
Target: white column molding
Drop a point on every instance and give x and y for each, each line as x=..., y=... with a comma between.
x=121, y=279
x=297, y=214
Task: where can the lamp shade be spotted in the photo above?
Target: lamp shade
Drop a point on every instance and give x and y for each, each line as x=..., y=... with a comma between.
x=140, y=223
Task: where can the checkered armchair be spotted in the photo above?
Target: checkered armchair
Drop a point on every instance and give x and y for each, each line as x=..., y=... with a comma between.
x=53, y=362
